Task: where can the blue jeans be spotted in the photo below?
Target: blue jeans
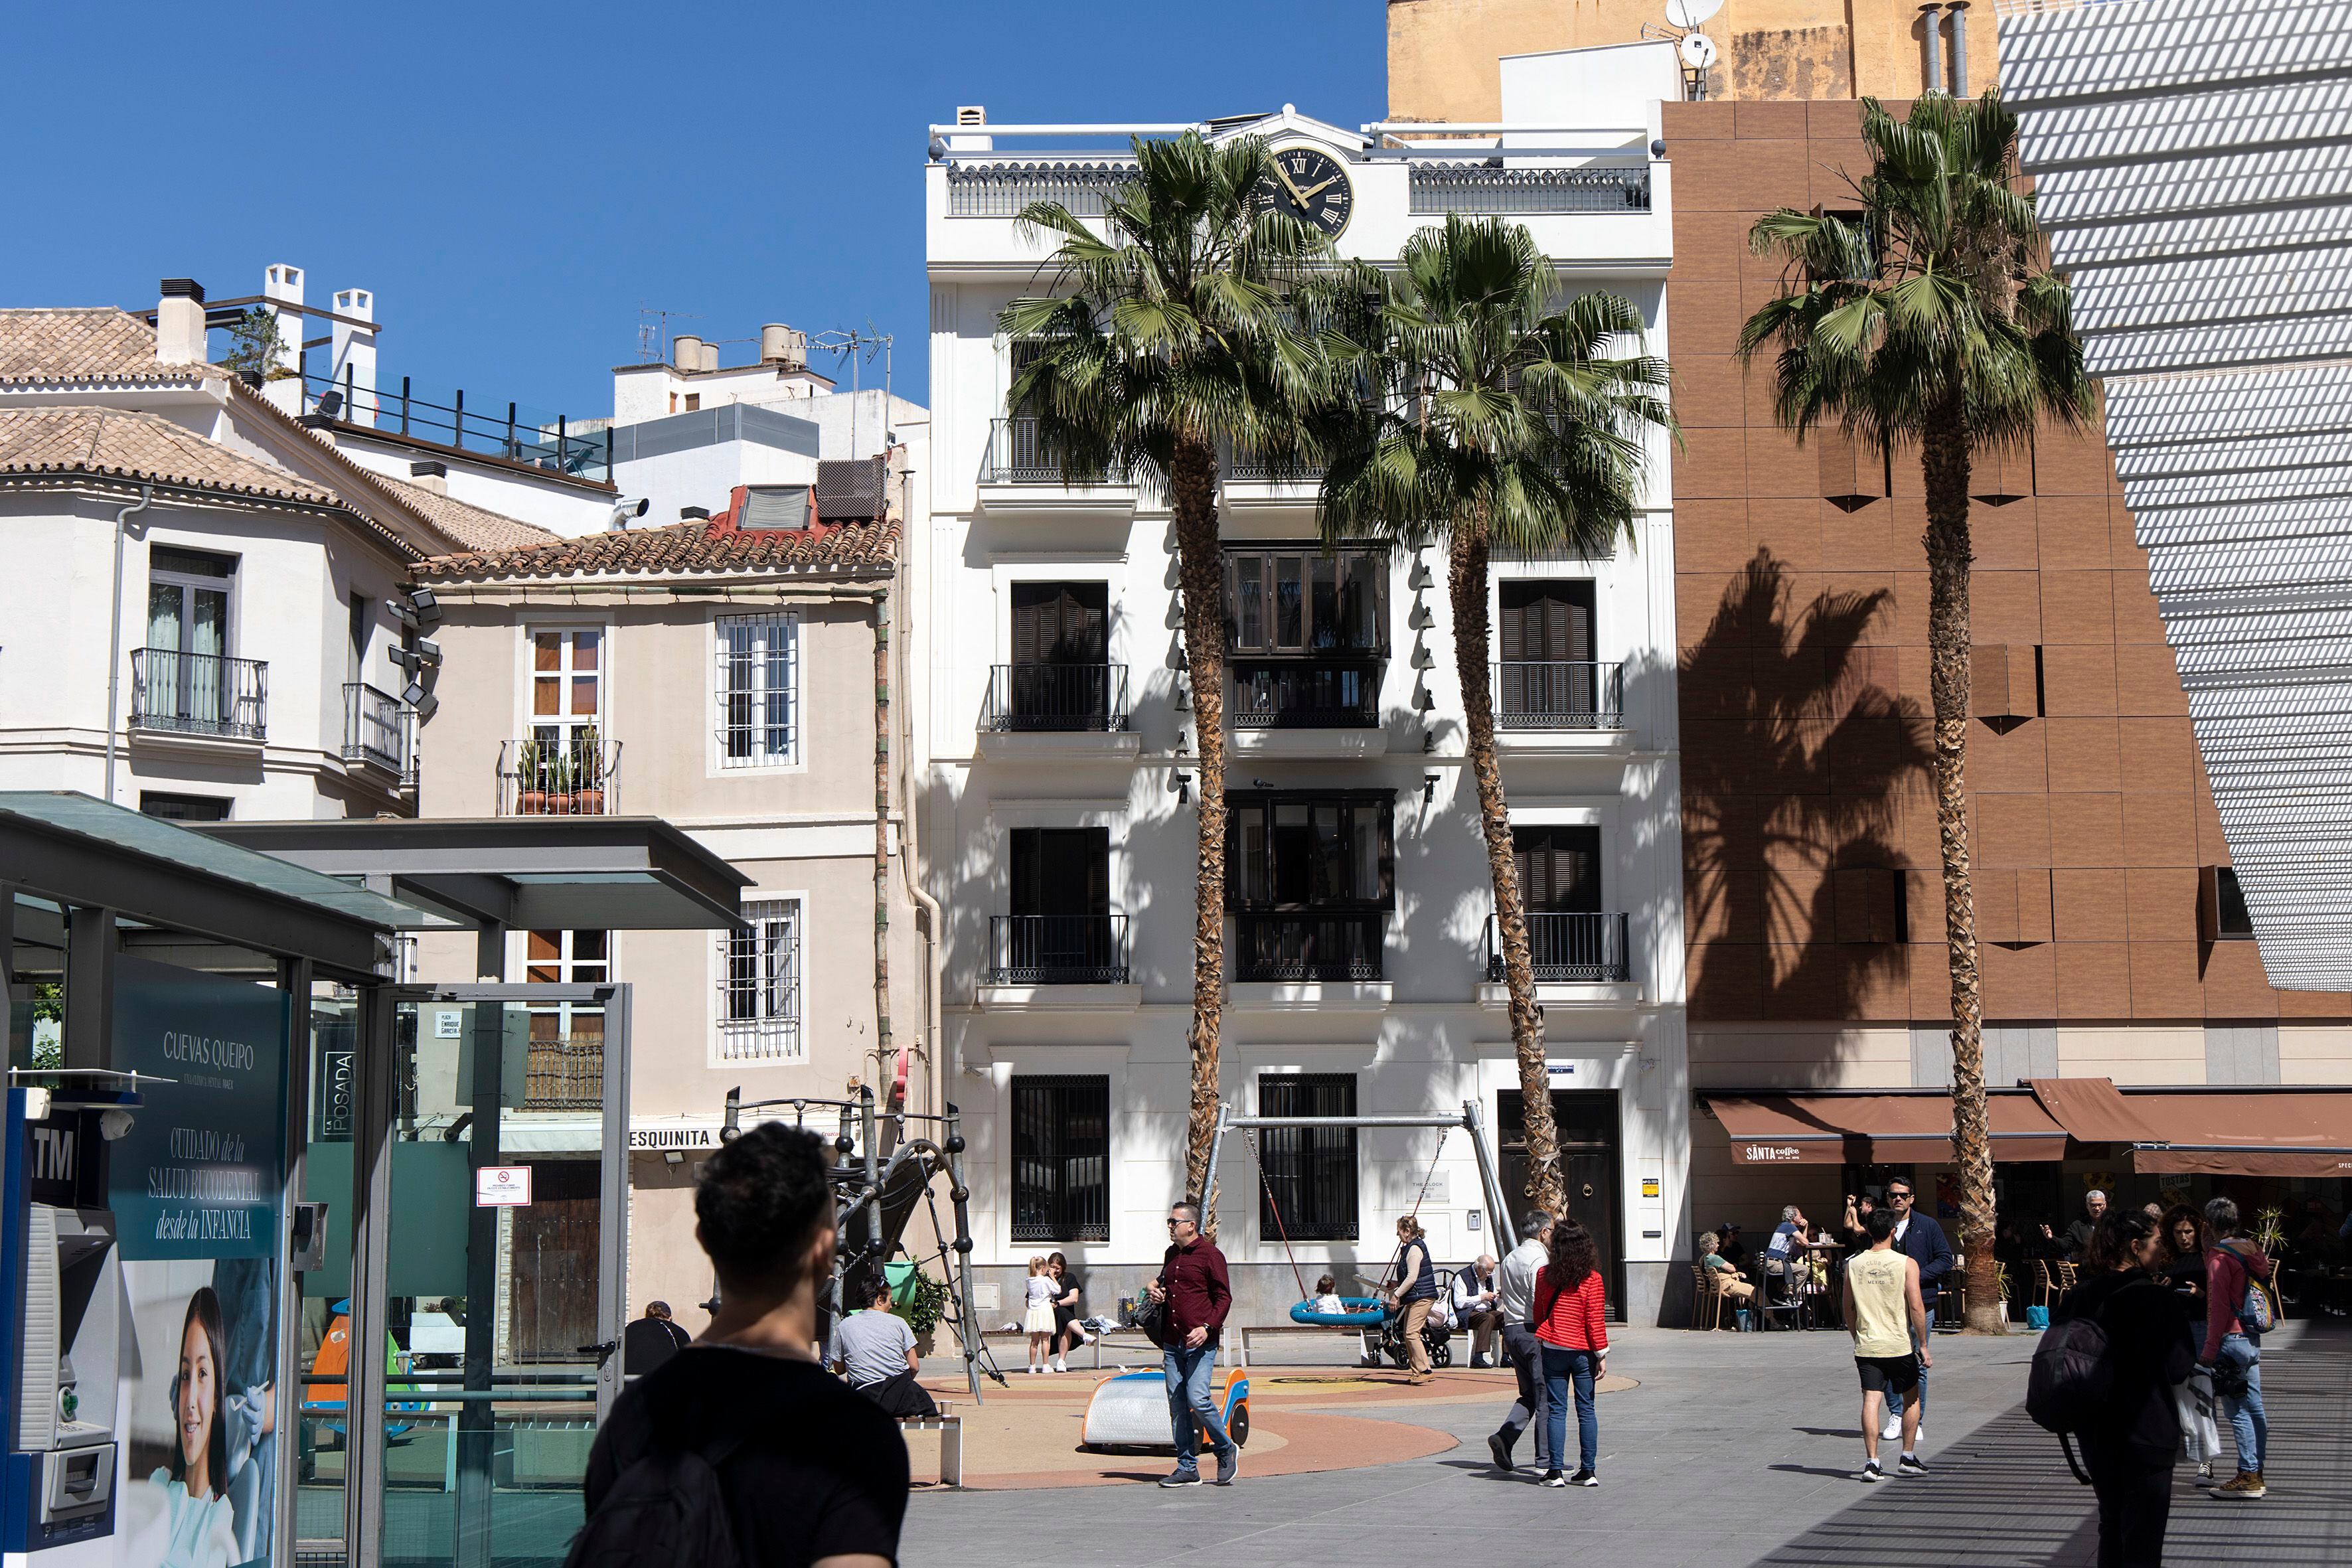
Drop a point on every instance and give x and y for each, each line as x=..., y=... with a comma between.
x=2247, y=1421
x=1894, y=1402
x=1560, y=1368
x=1189, y=1372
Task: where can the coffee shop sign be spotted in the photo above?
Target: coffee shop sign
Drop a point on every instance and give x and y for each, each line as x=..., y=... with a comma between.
x=1774, y=1153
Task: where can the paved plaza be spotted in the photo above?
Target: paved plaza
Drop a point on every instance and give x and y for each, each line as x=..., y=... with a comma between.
x=1731, y=1449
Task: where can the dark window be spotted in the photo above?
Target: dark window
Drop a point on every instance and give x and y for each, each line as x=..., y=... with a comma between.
x=1302, y=602
x=1310, y=1192
x=1310, y=851
x=183, y=807
x=1061, y=1159
x=1061, y=870
x=1060, y=623
x=1560, y=868
x=1547, y=622
x=2235, y=923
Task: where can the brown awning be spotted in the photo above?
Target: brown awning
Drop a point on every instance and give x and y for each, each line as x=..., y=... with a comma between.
x=1875, y=1129
x=2092, y=1111
x=2246, y=1135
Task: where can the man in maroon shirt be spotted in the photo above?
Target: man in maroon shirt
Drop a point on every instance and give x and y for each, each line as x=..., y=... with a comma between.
x=1193, y=1285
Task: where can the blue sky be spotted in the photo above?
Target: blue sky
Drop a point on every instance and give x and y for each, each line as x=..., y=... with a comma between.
x=515, y=182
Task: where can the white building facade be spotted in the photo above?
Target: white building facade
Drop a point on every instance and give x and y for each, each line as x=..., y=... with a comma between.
x=1057, y=756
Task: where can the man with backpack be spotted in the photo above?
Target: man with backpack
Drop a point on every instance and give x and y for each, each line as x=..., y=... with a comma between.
x=2237, y=1313
x=741, y=1449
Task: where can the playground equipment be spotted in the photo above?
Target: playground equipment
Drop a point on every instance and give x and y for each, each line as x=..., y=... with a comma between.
x=1130, y=1410
x=876, y=1196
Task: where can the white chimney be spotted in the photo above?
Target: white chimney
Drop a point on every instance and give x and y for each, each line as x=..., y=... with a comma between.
x=685, y=352
x=282, y=286
x=180, y=322
x=965, y=140
x=352, y=348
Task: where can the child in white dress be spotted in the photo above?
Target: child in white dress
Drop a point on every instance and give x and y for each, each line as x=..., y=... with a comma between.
x=1038, y=1322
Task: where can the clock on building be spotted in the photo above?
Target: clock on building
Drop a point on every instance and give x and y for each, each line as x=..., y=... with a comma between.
x=1311, y=186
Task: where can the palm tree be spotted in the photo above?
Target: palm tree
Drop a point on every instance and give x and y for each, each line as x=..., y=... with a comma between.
x=1166, y=335
x=1933, y=323
x=1491, y=412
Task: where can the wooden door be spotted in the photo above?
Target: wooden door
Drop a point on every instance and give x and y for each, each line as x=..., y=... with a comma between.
x=553, y=1264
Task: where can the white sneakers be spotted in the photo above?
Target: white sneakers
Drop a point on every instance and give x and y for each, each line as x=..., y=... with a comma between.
x=1060, y=1364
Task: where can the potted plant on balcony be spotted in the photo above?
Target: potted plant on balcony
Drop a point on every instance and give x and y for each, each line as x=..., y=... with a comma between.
x=530, y=782
x=587, y=782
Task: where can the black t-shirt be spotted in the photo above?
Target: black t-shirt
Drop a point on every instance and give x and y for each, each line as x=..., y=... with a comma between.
x=649, y=1342
x=821, y=1471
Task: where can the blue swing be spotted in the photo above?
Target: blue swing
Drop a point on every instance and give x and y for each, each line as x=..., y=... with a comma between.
x=1363, y=1312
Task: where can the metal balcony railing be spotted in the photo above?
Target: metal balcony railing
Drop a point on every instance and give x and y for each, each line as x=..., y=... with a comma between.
x=570, y=777
x=199, y=694
x=1018, y=454
x=511, y=432
x=1242, y=465
x=1065, y=697
x=565, y=1072
x=1488, y=189
x=1084, y=186
x=1305, y=694
x=1057, y=950
x=1569, y=949
x=379, y=729
x=1558, y=694
x=1309, y=947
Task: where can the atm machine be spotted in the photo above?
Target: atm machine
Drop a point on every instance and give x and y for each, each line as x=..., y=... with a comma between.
x=62, y=1361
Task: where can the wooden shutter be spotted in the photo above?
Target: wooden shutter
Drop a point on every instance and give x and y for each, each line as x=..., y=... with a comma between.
x=1547, y=621
x=1037, y=621
x=1560, y=868
x=1086, y=615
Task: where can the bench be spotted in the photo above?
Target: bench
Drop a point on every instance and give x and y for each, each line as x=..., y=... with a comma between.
x=1366, y=1355
x=950, y=1427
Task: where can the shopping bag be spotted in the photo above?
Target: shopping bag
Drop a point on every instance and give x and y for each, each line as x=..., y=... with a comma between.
x=2037, y=1316
x=2201, y=1428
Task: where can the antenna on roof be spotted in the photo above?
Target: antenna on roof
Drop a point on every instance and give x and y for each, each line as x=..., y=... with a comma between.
x=1697, y=50
x=653, y=331
x=859, y=347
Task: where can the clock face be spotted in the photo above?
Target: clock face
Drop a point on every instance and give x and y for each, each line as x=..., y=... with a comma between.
x=1311, y=187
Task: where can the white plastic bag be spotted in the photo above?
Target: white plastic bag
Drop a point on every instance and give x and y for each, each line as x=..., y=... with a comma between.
x=2201, y=1431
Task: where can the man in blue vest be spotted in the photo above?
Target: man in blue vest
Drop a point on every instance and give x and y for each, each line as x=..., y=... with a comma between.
x=1919, y=1237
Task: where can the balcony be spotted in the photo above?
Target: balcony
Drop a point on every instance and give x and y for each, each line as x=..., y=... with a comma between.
x=1303, y=694
x=380, y=732
x=1057, y=950
x=565, y=1072
x=1569, y=949
x=1554, y=694
x=1069, y=698
x=1021, y=473
x=199, y=694
x=1490, y=189
x=572, y=777
x=1309, y=947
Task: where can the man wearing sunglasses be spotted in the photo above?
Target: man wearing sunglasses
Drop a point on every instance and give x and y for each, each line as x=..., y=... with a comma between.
x=1197, y=1292
x=1921, y=1238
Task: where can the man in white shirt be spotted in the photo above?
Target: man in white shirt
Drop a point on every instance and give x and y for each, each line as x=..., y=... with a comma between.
x=1515, y=1302
x=1475, y=1310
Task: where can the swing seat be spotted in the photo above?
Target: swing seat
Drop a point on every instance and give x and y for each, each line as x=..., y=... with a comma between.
x=1363, y=1312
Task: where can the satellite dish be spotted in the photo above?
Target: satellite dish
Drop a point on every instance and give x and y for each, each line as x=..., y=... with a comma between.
x=1696, y=49
x=1689, y=14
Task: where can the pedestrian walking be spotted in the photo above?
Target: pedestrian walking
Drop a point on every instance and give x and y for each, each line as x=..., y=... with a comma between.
x=1514, y=1299
x=2234, y=1266
x=1921, y=1239
x=1887, y=1317
x=1197, y=1293
x=1414, y=1291
x=741, y=1448
x=2133, y=1436
x=1568, y=1317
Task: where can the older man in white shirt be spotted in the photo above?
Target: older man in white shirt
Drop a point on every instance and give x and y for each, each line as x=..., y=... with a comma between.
x=1515, y=1301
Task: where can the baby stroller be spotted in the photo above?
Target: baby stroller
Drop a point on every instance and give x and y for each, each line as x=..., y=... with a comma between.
x=1436, y=1334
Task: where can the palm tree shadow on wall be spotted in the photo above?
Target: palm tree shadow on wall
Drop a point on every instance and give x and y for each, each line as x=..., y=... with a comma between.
x=1796, y=765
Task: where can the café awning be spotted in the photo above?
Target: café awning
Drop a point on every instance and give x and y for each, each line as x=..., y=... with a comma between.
x=1893, y=1127
x=2092, y=1109
x=2246, y=1133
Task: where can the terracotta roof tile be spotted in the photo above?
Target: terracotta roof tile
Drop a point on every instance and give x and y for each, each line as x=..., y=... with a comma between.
x=124, y=444
x=474, y=526
x=717, y=545
x=96, y=343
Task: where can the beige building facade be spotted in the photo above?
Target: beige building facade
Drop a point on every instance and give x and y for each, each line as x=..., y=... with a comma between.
x=1442, y=54
x=724, y=679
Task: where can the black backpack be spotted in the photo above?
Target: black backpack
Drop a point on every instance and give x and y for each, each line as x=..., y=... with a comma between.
x=2070, y=1382
x=666, y=1508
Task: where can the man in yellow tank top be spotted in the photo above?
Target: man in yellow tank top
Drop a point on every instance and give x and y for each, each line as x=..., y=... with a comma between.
x=1885, y=1313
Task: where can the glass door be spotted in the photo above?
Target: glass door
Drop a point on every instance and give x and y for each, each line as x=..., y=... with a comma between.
x=187, y=674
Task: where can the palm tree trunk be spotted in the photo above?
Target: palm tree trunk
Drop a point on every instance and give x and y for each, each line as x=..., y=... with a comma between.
x=1200, y=570
x=1944, y=464
x=1466, y=585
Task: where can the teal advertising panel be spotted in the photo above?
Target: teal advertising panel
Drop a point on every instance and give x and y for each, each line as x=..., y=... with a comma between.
x=195, y=1184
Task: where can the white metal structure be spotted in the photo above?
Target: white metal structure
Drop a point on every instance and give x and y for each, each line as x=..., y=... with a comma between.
x=2192, y=161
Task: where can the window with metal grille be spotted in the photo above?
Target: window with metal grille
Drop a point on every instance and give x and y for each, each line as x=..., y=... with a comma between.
x=1310, y=1171
x=760, y=987
x=1061, y=1159
x=759, y=683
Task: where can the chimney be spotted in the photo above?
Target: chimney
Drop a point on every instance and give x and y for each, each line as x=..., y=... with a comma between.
x=710, y=356
x=281, y=287
x=180, y=322
x=968, y=137
x=685, y=352
x=434, y=477
x=353, y=349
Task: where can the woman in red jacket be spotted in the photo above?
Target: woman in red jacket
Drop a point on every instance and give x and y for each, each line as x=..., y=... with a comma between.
x=1566, y=1318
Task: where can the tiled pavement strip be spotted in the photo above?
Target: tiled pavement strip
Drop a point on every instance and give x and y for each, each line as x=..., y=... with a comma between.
x=1736, y=1450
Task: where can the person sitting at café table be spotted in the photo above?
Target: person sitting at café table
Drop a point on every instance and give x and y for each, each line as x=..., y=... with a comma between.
x=1721, y=1274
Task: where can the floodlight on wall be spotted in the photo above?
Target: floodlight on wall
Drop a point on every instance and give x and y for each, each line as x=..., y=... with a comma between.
x=1429, y=789
x=1182, y=782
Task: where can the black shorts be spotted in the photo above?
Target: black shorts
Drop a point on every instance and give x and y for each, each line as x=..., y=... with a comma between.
x=1887, y=1373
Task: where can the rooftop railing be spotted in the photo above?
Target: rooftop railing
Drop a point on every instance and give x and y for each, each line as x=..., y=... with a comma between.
x=507, y=432
x=1496, y=188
